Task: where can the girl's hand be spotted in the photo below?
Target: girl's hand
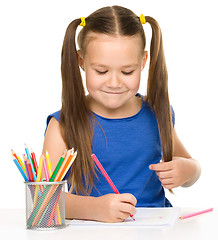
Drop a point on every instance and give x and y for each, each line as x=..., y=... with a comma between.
x=179, y=171
x=115, y=207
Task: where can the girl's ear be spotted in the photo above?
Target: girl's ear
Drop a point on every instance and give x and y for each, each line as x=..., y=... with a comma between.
x=144, y=59
x=80, y=59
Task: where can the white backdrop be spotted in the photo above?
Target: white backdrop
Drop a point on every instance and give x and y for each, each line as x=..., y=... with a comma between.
x=32, y=33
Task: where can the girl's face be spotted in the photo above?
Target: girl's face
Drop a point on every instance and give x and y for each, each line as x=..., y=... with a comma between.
x=113, y=68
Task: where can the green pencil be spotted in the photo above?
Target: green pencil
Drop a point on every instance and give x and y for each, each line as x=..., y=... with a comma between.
x=57, y=167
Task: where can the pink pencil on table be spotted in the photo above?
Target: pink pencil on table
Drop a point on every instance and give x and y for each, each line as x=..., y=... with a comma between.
x=196, y=213
x=107, y=177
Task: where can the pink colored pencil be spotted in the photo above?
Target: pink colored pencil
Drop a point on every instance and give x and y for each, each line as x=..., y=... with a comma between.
x=46, y=169
x=104, y=173
x=106, y=176
x=196, y=213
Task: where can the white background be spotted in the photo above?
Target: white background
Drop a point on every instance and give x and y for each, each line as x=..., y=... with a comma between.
x=31, y=36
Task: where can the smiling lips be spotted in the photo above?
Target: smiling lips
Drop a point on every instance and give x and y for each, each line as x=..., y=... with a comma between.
x=113, y=92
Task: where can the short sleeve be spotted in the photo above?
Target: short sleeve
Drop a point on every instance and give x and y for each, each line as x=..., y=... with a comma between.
x=56, y=115
x=173, y=115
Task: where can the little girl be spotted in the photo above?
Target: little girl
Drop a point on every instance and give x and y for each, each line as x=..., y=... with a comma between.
x=129, y=133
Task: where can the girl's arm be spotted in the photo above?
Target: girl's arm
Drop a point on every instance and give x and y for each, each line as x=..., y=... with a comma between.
x=183, y=170
x=107, y=208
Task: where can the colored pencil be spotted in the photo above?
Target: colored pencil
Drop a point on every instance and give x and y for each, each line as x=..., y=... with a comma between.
x=30, y=171
x=104, y=173
x=106, y=176
x=196, y=213
x=27, y=173
x=46, y=169
x=31, y=162
x=48, y=163
x=62, y=165
x=68, y=164
x=34, y=160
x=54, y=206
x=38, y=180
x=19, y=160
x=48, y=211
x=57, y=167
x=36, y=214
x=45, y=201
x=39, y=169
x=20, y=169
x=49, y=174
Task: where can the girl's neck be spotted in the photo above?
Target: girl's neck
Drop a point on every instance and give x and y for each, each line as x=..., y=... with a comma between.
x=127, y=110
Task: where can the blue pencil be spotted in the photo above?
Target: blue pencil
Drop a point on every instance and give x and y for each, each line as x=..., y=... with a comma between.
x=31, y=162
x=21, y=170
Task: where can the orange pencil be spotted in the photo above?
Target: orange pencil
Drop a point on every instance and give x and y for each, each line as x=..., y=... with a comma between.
x=66, y=167
x=62, y=165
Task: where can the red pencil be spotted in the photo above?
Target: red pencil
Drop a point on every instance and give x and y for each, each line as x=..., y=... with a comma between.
x=106, y=177
x=34, y=161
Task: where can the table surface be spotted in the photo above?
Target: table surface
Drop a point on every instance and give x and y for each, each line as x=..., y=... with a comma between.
x=12, y=224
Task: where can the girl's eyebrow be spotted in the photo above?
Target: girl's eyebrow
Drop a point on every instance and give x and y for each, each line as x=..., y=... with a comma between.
x=105, y=66
x=98, y=65
x=130, y=65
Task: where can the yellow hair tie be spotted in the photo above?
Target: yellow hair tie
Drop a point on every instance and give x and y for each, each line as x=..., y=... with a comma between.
x=83, y=21
x=142, y=19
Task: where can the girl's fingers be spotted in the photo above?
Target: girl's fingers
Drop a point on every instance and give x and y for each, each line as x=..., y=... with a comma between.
x=169, y=186
x=123, y=215
x=167, y=181
x=166, y=174
x=128, y=209
x=128, y=198
x=162, y=166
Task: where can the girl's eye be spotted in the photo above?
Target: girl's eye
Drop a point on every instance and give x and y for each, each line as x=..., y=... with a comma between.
x=128, y=73
x=100, y=72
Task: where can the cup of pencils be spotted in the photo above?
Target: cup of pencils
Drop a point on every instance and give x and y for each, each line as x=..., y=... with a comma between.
x=45, y=205
x=45, y=200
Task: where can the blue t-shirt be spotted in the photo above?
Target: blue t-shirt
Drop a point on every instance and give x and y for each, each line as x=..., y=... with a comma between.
x=126, y=148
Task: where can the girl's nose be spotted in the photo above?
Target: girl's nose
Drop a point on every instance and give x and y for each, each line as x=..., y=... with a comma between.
x=114, y=81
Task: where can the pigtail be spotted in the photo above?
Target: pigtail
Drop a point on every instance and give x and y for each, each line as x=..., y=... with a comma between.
x=157, y=89
x=75, y=115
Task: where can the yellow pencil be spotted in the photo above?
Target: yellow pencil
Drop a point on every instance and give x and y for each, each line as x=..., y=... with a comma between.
x=50, y=174
x=38, y=180
x=40, y=169
x=48, y=164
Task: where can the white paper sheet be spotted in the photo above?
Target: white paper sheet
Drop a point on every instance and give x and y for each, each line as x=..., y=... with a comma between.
x=143, y=217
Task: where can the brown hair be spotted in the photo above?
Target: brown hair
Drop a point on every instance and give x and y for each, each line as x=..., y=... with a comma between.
x=76, y=119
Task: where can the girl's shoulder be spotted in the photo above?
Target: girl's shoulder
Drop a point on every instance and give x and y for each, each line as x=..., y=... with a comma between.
x=146, y=105
x=56, y=115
